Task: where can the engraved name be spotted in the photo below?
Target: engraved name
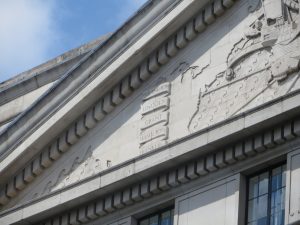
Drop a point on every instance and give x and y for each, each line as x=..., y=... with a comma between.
x=155, y=104
x=153, y=133
x=152, y=145
x=159, y=90
x=153, y=119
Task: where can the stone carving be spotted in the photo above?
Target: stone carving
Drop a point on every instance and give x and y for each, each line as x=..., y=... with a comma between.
x=80, y=168
x=155, y=117
x=262, y=65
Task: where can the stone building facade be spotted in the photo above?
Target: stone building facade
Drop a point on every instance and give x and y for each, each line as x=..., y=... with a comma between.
x=188, y=114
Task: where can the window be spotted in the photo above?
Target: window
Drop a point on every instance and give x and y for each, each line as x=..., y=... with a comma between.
x=161, y=218
x=266, y=197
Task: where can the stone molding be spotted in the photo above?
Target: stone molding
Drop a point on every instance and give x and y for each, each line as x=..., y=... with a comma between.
x=109, y=101
x=229, y=155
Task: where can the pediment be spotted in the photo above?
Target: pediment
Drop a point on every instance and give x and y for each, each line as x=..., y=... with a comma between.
x=240, y=63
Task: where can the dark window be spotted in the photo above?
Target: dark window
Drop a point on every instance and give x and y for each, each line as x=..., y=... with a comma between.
x=266, y=197
x=164, y=217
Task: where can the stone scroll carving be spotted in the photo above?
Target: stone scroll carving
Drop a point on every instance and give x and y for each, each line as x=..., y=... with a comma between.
x=262, y=65
x=79, y=168
x=155, y=117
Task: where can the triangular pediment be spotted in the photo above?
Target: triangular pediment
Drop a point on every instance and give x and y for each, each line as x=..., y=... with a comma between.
x=210, y=72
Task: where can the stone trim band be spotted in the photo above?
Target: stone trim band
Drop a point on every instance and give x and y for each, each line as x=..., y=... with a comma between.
x=113, y=98
x=212, y=162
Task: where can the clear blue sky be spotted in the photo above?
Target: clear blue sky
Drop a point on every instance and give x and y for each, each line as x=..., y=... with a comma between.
x=34, y=31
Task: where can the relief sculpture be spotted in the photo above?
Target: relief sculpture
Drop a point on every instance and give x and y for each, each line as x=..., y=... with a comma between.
x=155, y=117
x=81, y=167
x=262, y=65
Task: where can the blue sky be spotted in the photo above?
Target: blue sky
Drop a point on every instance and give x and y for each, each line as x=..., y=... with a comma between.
x=34, y=31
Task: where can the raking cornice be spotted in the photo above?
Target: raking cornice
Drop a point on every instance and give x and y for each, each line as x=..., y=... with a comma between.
x=91, y=115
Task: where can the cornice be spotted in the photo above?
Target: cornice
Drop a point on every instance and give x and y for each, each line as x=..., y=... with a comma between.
x=114, y=97
x=54, y=103
x=149, y=186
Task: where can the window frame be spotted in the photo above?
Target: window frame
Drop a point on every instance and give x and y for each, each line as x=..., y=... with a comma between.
x=159, y=213
x=257, y=173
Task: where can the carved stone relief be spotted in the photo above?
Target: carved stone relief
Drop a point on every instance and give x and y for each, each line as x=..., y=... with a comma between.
x=155, y=117
x=81, y=167
x=262, y=65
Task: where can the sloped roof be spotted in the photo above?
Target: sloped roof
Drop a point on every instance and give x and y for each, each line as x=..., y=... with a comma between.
x=38, y=74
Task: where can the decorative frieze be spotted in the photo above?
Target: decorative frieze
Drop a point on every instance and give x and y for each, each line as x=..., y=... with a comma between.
x=108, y=103
x=179, y=176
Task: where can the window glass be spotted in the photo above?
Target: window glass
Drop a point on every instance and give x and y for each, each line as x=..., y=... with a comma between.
x=164, y=217
x=266, y=197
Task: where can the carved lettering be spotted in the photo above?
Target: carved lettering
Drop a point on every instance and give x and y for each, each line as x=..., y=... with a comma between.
x=162, y=89
x=152, y=145
x=155, y=104
x=153, y=133
x=153, y=119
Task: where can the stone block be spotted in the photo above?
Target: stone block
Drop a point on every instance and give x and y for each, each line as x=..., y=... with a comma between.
x=136, y=193
x=229, y=155
x=118, y=201
x=108, y=105
x=144, y=71
x=99, y=114
x=145, y=189
x=74, y=218
x=91, y=211
x=220, y=159
x=171, y=47
x=72, y=137
x=81, y=129
x=46, y=161
x=127, y=197
x=49, y=222
x=200, y=26
x=154, y=185
x=65, y=219
x=153, y=63
x=90, y=121
x=182, y=174
x=181, y=42
x=63, y=144
x=297, y=127
x=278, y=135
x=211, y=163
x=190, y=33
x=37, y=168
x=4, y=199
x=54, y=152
x=259, y=143
x=239, y=151
x=108, y=205
x=173, y=178
x=82, y=215
x=135, y=81
x=218, y=8
x=163, y=58
x=201, y=167
x=249, y=147
x=288, y=132
x=163, y=182
x=11, y=189
x=269, y=139
x=117, y=97
x=126, y=89
x=28, y=175
x=20, y=183
x=209, y=16
x=228, y=3
x=56, y=221
x=192, y=171
x=100, y=208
